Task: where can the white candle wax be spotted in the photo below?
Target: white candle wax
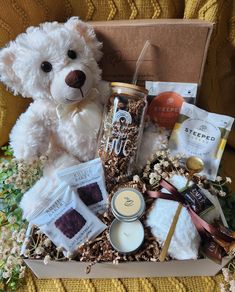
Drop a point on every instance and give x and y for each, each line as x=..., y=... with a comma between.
x=126, y=237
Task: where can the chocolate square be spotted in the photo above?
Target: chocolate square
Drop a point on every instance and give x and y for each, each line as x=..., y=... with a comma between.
x=90, y=194
x=70, y=223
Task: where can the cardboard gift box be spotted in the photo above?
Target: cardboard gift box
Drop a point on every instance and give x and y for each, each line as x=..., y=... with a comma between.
x=177, y=53
x=76, y=270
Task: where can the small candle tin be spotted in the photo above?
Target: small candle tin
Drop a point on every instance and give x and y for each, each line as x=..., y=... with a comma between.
x=126, y=237
x=127, y=204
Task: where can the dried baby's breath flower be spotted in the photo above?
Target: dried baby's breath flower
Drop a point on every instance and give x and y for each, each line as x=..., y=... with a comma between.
x=218, y=179
x=39, y=250
x=228, y=180
x=152, y=175
x=16, y=177
x=69, y=255
x=157, y=166
x=147, y=168
x=47, y=259
x=152, y=181
x=145, y=174
x=15, y=250
x=27, y=253
x=136, y=178
x=232, y=285
x=47, y=242
x=175, y=163
x=21, y=236
x=7, y=274
x=222, y=287
x=115, y=262
x=226, y=275
x=222, y=194
x=165, y=163
x=12, y=219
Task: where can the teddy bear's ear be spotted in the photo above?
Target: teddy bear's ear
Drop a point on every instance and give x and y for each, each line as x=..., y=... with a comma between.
x=88, y=33
x=7, y=74
x=49, y=26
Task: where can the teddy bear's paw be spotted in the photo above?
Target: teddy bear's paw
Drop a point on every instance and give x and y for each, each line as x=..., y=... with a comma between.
x=24, y=152
x=37, y=196
x=58, y=161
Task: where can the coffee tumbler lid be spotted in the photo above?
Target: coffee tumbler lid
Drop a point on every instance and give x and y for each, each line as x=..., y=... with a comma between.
x=128, y=85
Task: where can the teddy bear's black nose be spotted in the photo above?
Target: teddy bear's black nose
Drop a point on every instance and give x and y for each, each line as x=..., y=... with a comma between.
x=75, y=79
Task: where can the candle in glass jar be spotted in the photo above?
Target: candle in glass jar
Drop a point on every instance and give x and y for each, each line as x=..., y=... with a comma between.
x=126, y=237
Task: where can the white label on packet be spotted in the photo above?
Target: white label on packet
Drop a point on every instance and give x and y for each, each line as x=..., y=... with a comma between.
x=187, y=90
x=87, y=180
x=67, y=221
x=202, y=134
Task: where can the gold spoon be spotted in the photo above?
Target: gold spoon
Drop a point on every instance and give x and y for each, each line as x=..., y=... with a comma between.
x=194, y=165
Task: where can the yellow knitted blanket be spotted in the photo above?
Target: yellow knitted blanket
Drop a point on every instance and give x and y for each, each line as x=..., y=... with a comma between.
x=182, y=284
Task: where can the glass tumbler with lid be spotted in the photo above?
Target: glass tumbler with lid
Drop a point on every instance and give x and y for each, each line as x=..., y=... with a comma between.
x=122, y=130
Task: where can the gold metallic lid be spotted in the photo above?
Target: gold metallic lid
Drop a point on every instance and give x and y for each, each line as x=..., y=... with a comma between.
x=131, y=86
x=127, y=204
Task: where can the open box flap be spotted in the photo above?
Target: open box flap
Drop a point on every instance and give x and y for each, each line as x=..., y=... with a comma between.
x=177, y=53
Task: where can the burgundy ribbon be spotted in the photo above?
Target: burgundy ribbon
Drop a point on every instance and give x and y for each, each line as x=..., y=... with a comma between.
x=202, y=226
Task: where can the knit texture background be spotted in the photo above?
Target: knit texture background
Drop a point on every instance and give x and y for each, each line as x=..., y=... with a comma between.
x=170, y=284
x=217, y=95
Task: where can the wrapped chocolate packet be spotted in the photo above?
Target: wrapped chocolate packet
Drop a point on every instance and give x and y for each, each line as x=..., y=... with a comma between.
x=67, y=221
x=215, y=247
x=200, y=200
x=202, y=134
x=204, y=204
x=212, y=250
x=88, y=181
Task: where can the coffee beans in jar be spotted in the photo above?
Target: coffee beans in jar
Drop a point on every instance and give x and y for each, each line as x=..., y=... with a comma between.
x=122, y=130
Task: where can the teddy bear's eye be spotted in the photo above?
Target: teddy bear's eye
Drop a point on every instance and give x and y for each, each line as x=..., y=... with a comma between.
x=72, y=54
x=46, y=66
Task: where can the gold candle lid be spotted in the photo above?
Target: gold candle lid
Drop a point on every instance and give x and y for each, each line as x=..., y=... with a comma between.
x=127, y=204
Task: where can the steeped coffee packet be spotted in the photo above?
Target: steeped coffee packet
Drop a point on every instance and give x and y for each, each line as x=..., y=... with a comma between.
x=166, y=99
x=202, y=134
x=66, y=221
x=88, y=182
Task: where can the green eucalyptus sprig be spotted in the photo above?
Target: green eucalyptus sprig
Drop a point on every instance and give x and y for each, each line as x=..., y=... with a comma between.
x=16, y=177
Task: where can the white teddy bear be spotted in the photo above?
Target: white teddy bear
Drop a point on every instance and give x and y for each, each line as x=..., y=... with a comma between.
x=55, y=64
